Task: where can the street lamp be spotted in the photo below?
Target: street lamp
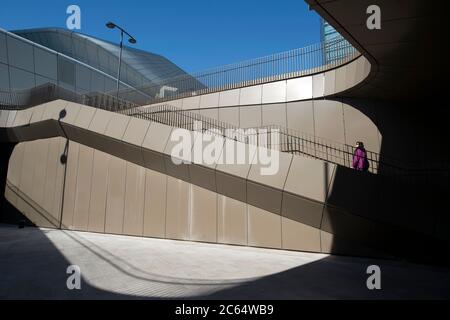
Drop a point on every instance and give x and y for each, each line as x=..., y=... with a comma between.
x=131, y=39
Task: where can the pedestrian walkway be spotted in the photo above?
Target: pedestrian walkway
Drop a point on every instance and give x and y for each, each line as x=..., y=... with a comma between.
x=34, y=261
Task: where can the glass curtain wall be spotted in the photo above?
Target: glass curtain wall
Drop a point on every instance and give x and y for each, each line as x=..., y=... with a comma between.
x=25, y=65
x=333, y=41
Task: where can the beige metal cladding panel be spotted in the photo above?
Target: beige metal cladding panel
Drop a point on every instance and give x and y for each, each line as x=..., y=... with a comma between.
x=250, y=116
x=136, y=131
x=83, y=189
x=274, y=92
x=23, y=117
x=52, y=109
x=177, y=140
x=15, y=164
x=133, y=222
x=209, y=100
x=39, y=175
x=299, y=89
x=27, y=172
x=299, y=236
x=229, y=98
x=11, y=196
x=318, y=85
x=191, y=103
x=251, y=95
x=72, y=110
x=203, y=226
x=329, y=122
x=326, y=240
x=100, y=121
x=203, y=143
x=279, y=161
x=52, y=187
x=178, y=103
x=97, y=205
x=117, y=126
x=232, y=221
x=351, y=77
x=59, y=183
x=229, y=115
x=367, y=67
x=84, y=117
x=300, y=116
x=196, y=111
x=237, y=165
x=25, y=208
x=362, y=69
x=157, y=137
x=274, y=114
x=155, y=204
x=38, y=112
x=309, y=178
x=4, y=115
x=264, y=197
x=70, y=185
x=53, y=181
x=359, y=72
x=236, y=168
x=340, y=80
x=177, y=214
x=329, y=83
x=264, y=228
x=115, y=198
x=358, y=127
x=212, y=113
x=11, y=118
x=29, y=212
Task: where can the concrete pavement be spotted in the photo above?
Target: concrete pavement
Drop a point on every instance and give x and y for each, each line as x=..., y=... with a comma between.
x=34, y=261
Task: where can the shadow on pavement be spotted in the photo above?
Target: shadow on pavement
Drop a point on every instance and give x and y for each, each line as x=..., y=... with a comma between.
x=33, y=267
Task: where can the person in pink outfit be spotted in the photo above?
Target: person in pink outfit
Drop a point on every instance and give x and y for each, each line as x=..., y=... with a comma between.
x=360, y=161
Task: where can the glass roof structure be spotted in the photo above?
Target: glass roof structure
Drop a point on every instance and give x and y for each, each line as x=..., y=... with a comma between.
x=140, y=69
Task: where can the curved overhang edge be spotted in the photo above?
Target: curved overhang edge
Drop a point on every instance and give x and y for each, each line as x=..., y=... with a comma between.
x=330, y=90
x=374, y=65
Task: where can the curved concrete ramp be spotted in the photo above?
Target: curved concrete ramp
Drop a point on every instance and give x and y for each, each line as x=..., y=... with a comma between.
x=120, y=179
x=320, y=85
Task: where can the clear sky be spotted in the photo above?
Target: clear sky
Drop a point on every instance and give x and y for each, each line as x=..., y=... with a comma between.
x=194, y=34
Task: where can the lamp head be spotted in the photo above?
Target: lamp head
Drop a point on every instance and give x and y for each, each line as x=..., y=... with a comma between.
x=132, y=40
x=111, y=25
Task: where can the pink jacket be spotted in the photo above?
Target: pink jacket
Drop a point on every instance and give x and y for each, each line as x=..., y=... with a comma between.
x=359, y=158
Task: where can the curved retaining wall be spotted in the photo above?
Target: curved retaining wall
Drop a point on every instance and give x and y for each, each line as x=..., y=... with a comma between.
x=316, y=86
x=120, y=179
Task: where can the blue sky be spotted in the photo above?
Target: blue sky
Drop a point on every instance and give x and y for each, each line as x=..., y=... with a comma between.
x=194, y=34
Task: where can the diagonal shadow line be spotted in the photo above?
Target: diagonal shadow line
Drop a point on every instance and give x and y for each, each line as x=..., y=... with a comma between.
x=170, y=280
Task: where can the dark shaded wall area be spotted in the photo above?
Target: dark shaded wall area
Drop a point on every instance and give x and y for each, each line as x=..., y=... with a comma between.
x=402, y=211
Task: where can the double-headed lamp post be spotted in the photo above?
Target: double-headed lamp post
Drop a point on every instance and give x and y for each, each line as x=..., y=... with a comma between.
x=131, y=39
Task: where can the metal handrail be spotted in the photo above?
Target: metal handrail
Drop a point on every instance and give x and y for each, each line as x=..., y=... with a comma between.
x=290, y=141
x=280, y=66
x=24, y=99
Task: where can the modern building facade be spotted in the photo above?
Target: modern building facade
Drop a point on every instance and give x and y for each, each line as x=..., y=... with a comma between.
x=82, y=64
x=334, y=44
x=327, y=32
x=120, y=178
